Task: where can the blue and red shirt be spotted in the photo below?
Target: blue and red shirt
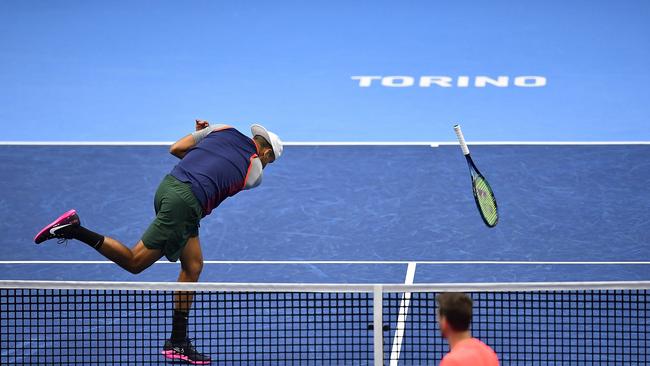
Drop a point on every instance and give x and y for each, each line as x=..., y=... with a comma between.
x=218, y=167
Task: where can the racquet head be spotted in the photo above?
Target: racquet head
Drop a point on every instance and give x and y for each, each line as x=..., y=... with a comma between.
x=484, y=198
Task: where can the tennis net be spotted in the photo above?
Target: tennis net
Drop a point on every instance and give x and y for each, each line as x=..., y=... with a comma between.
x=93, y=323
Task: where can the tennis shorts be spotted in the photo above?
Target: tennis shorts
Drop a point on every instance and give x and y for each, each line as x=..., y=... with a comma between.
x=178, y=214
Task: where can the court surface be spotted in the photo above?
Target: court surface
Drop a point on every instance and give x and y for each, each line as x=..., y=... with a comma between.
x=349, y=214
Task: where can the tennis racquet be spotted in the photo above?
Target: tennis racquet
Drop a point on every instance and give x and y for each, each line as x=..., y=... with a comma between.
x=483, y=195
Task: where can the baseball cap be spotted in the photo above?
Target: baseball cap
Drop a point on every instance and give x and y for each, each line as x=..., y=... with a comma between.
x=269, y=136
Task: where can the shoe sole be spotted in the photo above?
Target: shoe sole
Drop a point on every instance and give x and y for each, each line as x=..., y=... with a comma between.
x=177, y=356
x=55, y=222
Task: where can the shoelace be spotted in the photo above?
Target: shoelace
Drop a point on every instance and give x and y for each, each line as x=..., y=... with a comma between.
x=62, y=241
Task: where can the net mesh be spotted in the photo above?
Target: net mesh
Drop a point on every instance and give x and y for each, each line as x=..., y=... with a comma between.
x=585, y=327
x=303, y=326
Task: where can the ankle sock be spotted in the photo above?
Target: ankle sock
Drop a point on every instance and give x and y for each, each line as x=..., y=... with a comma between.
x=179, y=326
x=86, y=236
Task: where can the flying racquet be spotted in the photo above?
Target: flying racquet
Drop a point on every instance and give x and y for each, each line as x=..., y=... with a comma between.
x=483, y=195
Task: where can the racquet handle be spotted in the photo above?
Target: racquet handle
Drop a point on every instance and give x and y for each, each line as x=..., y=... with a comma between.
x=461, y=140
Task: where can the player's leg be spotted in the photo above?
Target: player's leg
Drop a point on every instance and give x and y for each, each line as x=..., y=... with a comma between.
x=68, y=226
x=134, y=260
x=179, y=346
x=191, y=266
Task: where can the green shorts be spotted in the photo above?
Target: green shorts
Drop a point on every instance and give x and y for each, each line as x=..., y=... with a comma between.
x=178, y=214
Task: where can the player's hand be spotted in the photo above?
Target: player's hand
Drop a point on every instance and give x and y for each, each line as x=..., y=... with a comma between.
x=201, y=124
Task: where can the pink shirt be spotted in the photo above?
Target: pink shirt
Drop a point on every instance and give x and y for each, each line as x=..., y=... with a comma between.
x=470, y=352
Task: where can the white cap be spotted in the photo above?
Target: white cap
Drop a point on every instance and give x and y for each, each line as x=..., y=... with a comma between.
x=269, y=136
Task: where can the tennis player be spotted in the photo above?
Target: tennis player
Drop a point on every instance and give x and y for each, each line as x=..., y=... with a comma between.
x=216, y=162
x=454, y=318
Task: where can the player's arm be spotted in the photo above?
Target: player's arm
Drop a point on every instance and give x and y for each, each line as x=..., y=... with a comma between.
x=182, y=146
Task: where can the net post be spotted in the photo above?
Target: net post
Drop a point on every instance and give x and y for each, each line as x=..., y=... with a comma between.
x=378, y=319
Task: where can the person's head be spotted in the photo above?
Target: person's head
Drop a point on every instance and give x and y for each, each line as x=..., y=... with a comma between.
x=265, y=150
x=454, y=313
x=269, y=145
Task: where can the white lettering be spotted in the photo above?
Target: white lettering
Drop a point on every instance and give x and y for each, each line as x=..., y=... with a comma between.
x=397, y=81
x=530, y=81
x=482, y=81
x=442, y=81
x=365, y=81
x=463, y=81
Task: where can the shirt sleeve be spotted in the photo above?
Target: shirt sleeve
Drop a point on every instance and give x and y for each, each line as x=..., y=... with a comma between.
x=254, y=176
x=200, y=135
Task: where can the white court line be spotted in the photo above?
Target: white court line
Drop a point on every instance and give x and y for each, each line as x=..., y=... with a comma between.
x=86, y=143
x=560, y=143
x=454, y=143
x=401, y=318
x=326, y=143
x=469, y=262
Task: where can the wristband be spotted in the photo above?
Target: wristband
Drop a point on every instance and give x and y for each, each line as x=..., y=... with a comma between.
x=200, y=135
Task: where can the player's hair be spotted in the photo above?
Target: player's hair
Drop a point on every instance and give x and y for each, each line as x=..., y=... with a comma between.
x=456, y=307
x=262, y=142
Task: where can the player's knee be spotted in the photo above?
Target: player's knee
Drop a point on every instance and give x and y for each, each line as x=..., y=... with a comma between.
x=135, y=268
x=193, y=269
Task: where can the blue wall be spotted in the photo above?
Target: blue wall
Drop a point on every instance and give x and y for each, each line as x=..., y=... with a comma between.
x=143, y=70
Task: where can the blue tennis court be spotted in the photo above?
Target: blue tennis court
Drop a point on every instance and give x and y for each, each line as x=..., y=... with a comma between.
x=350, y=214
x=367, y=222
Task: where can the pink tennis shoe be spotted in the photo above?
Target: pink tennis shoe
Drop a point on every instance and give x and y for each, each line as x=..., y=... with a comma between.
x=54, y=230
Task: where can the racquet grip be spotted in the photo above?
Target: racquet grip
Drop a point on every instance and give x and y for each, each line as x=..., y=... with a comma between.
x=461, y=140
